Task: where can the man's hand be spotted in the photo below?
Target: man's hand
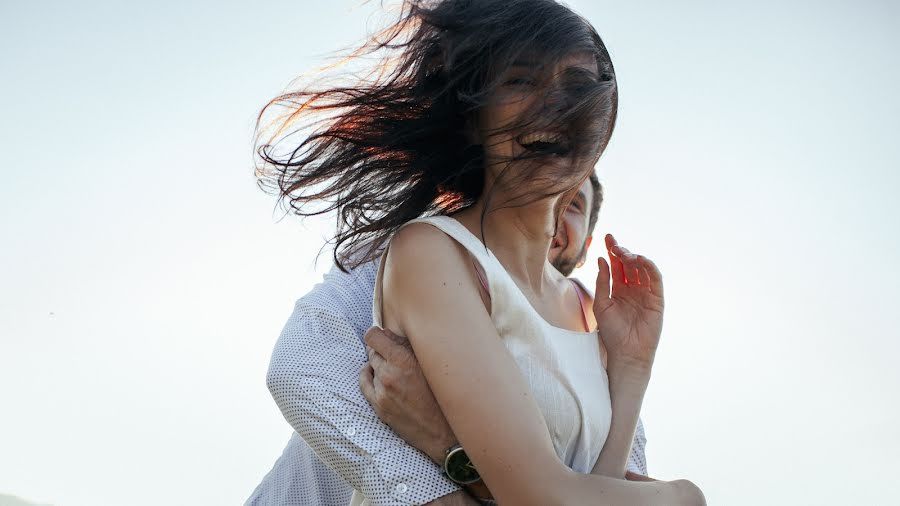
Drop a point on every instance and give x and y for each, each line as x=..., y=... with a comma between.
x=394, y=385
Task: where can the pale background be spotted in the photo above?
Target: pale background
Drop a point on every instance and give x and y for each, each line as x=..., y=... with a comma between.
x=144, y=278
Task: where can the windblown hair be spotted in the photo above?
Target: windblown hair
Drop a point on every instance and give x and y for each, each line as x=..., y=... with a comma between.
x=397, y=142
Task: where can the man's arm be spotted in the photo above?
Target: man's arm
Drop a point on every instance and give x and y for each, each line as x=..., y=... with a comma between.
x=314, y=378
x=394, y=385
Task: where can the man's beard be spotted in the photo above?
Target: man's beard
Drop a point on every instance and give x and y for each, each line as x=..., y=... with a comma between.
x=566, y=265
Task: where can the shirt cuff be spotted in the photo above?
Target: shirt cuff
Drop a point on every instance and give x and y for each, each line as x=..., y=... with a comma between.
x=408, y=476
x=401, y=467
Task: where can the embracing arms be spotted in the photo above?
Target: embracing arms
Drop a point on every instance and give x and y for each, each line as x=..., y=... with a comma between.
x=393, y=383
x=313, y=377
x=478, y=385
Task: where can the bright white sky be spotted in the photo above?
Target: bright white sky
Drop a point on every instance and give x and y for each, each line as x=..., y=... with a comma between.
x=145, y=278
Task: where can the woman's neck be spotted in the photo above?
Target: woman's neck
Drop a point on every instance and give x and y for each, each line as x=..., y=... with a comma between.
x=519, y=237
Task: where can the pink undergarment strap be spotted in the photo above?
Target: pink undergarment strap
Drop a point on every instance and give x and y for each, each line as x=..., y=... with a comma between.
x=584, y=316
x=480, y=277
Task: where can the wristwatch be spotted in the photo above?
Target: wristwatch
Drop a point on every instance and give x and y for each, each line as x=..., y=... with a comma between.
x=458, y=467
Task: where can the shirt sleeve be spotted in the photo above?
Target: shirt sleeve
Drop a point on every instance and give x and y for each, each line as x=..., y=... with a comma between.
x=637, y=461
x=314, y=378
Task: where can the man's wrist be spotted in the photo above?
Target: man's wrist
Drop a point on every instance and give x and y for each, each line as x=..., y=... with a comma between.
x=477, y=490
x=438, y=450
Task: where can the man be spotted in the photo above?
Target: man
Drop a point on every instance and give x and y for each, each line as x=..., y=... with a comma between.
x=346, y=416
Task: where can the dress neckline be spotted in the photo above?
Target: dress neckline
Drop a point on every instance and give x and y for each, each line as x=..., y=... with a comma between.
x=506, y=273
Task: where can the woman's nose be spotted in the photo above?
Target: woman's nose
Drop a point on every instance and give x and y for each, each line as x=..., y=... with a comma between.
x=564, y=90
x=556, y=99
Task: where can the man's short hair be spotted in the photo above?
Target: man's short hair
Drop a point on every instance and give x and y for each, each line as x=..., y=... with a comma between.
x=595, y=202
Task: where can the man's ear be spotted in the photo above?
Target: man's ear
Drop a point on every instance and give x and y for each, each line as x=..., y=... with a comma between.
x=587, y=246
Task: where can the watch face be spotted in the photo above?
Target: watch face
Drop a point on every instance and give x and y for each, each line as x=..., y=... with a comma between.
x=460, y=469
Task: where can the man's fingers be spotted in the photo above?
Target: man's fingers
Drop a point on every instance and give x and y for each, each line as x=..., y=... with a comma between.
x=371, y=333
x=367, y=383
x=375, y=359
x=400, y=340
x=380, y=341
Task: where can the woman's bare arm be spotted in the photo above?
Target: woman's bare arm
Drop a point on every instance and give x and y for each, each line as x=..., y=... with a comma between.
x=626, y=393
x=628, y=307
x=431, y=296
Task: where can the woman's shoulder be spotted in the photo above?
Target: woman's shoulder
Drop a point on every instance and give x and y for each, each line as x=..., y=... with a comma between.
x=420, y=246
x=441, y=236
x=423, y=265
x=419, y=237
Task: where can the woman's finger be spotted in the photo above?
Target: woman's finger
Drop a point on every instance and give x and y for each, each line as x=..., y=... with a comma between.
x=630, y=266
x=653, y=274
x=634, y=274
x=633, y=269
x=602, y=287
x=617, y=270
x=644, y=276
x=617, y=249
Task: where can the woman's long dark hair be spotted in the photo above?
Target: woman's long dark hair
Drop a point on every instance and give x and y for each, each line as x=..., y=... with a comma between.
x=397, y=143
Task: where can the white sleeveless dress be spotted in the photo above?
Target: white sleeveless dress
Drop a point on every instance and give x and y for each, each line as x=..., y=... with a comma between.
x=563, y=367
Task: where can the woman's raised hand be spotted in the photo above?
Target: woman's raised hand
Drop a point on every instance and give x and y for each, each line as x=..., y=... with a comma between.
x=630, y=315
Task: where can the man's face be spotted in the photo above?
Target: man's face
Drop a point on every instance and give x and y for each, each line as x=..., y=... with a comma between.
x=569, y=246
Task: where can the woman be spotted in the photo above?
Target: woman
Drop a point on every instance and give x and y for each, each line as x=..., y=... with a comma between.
x=484, y=117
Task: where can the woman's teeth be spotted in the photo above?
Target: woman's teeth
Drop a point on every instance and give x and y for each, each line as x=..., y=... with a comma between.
x=545, y=137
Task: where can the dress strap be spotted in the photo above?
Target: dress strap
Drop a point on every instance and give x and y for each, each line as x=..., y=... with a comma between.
x=584, y=316
x=480, y=277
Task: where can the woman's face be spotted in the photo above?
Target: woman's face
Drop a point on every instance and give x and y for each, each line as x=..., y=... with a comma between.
x=526, y=89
